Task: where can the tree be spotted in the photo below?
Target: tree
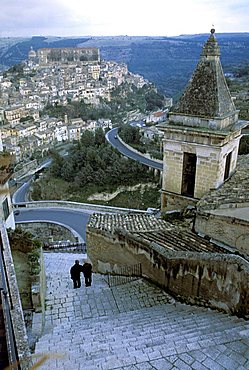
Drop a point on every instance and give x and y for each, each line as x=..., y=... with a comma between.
x=130, y=134
x=99, y=137
x=87, y=138
x=57, y=163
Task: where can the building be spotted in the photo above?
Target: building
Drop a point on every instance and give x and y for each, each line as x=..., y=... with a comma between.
x=14, y=114
x=67, y=55
x=201, y=135
x=6, y=213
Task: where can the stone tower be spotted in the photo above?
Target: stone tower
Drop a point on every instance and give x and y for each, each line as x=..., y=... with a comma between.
x=201, y=135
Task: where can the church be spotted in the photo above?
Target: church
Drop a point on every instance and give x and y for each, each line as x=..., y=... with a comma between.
x=201, y=135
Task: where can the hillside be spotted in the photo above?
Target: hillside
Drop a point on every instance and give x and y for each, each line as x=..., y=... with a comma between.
x=166, y=61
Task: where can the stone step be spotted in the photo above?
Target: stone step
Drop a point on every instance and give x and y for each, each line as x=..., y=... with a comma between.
x=142, y=320
x=114, y=334
x=135, y=326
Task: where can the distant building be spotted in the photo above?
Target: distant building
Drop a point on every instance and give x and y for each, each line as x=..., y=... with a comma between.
x=139, y=124
x=74, y=132
x=14, y=114
x=157, y=117
x=67, y=55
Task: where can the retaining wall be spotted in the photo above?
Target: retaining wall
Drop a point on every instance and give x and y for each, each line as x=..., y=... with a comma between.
x=212, y=280
x=17, y=317
x=226, y=229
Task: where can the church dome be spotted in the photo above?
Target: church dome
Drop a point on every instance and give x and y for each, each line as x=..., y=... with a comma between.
x=32, y=53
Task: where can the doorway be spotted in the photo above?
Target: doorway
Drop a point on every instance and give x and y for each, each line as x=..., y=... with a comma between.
x=227, y=166
x=188, y=174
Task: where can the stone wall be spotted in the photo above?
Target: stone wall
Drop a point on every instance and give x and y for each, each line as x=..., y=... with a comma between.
x=38, y=291
x=47, y=232
x=173, y=201
x=228, y=230
x=210, y=165
x=17, y=318
x=213, y=280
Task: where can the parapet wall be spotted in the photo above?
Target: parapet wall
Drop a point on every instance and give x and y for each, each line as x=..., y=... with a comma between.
x=226, y=229
x=212, y=280
x=17, y=318
x=47, y=231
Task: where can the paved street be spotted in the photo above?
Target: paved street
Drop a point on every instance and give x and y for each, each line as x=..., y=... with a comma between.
x=132, y=326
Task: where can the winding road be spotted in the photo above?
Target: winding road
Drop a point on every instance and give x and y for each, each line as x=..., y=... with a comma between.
x=74, y=219
x=113, y=139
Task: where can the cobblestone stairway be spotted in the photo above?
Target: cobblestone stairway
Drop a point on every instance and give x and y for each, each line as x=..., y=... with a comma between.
x=137, y=326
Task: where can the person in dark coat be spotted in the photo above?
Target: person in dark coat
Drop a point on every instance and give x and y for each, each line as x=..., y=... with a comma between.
x=75, y=271
x=87, y=272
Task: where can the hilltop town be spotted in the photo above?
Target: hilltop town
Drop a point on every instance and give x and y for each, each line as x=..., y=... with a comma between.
x=58, y=78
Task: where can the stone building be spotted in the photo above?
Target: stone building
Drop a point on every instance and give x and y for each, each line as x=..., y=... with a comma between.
x=6, y=212
x=201, y=136
x=67, y=55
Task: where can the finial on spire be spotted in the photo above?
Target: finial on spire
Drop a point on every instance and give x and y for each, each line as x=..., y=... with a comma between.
x=212, y=29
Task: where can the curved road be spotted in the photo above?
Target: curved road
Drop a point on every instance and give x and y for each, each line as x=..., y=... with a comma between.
x=75, y=220
x=20, y=194
x=111, y=136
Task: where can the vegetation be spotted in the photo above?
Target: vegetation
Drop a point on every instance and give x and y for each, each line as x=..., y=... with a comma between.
x=92, y=166
x=26, y=253
x=25, y=242
x=16, y=69
x=239, y=87
x=132, y=136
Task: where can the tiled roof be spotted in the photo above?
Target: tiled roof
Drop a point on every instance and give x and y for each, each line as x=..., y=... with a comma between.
x=129, y=222
x=155, y=231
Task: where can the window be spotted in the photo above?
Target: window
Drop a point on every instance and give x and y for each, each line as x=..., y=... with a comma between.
x=227, y=166
x=6, y=210
x=188, y=174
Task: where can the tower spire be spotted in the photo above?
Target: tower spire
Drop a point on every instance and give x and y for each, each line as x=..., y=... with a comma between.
x=207, y=94
x=211, y=47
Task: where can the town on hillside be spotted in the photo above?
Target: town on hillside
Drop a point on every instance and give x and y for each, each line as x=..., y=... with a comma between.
x=56, y=78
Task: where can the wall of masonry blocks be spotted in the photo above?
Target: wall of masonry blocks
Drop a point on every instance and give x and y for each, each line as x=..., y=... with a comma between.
x=212, y=280
x=228, y=230
x=210, y=164
x=17, y=318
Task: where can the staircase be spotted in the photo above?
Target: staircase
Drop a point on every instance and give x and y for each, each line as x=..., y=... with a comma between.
x=136, y=326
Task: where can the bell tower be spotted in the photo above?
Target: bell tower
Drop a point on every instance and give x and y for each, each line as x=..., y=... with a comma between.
x=201, y=135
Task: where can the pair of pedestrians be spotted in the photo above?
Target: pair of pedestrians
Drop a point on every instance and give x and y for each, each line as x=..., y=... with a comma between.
x=75, y=271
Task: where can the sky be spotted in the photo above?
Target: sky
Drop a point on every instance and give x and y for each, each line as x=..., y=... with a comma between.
x=121, y=17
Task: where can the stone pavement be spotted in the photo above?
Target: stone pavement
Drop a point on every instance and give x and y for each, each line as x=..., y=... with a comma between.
x=135, y=326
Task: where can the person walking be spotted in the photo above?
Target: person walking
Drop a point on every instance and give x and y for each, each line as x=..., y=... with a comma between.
x=87, y=272
x=75, y=274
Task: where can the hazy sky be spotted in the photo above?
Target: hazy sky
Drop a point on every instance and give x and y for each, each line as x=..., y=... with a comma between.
x=121, y=17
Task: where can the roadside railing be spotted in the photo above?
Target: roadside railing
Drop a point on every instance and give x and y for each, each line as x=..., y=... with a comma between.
x=124, y=274
x=85, y=207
